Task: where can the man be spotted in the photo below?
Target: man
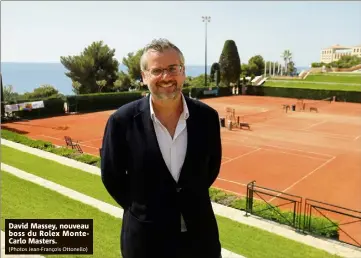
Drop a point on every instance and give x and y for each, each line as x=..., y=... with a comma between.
x=160, y=155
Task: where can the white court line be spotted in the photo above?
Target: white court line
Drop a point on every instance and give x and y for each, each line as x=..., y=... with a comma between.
x=279, y=147
x=300, y=180
x=295, y=154
x=230, y=181
x=317, y=153
x=224, y=157
x=97, y=139
x=240, y=156
x=330, y=135
x=62, y=140
x=315, y=124
x=357, y=137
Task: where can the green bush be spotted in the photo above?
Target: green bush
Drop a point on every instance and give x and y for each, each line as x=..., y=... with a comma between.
x=65, y=152
x=88, y=159
x=344, y=96
x=48, y=146
x=198, y=92
x=100, y=101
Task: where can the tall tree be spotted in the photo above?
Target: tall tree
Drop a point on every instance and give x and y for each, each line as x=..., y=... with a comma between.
x=123, y=83
x=287, y=56
x=230, y=63
x=95, y=63
x=215, y=73
x=256, y=65
x=132, y=62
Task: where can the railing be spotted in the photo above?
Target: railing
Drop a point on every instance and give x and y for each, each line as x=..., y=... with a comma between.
x=318, y=218
x=269, y=208
x=348, y=221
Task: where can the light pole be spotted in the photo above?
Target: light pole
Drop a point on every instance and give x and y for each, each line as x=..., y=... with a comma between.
x=205, y=19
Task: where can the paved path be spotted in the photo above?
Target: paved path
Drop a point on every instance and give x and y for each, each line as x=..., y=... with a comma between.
x=330, y=246
x=100, y=205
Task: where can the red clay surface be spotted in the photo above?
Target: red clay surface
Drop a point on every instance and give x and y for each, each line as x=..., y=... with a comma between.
x=309, y=154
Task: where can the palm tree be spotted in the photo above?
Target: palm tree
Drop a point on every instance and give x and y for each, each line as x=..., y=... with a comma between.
x=287, y=56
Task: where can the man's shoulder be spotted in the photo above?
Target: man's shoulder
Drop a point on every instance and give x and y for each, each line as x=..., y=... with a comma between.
x=127, y=110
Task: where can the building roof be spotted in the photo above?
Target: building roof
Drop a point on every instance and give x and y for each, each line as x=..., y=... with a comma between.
x=338, y=46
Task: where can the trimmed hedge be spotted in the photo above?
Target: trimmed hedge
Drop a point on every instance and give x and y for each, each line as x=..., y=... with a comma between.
x=49, y=147
x=344, y=96
x=198, y=92
x=52, y=107
x=216, y=195
x=100, y=101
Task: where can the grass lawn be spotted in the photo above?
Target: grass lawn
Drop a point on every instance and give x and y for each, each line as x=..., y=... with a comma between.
x=310, y=85
x=23, y=199
x=340, y=78
x=236, y=237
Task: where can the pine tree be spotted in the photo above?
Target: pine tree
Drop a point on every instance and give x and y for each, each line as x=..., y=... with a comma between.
x=230, y=63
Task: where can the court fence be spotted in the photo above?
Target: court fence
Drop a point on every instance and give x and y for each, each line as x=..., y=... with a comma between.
x=307, y=217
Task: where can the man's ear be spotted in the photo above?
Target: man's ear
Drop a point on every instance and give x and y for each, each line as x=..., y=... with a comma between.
x=144, y=77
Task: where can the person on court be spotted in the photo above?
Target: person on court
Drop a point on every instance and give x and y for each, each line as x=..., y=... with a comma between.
x=160, y=155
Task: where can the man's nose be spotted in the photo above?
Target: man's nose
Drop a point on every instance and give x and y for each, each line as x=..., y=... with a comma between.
x=166, y=74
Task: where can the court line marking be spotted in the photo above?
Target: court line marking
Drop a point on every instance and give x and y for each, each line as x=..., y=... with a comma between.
x=304, y=177
x=315, y=124
x=63, y=140
x=295, y=154
x=224, y=157
x=97, y=139
x=275, y=146
x=235, y=193
x=219, y=188
x=230, y=181
x=357, y=137
x=330, y=135
x=312, y=152
x=240, y=156
x=290, y=153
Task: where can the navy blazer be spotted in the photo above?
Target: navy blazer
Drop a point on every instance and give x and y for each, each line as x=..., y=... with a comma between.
x=136, y=176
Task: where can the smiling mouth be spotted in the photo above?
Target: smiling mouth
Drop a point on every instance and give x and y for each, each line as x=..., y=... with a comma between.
x=167, y=85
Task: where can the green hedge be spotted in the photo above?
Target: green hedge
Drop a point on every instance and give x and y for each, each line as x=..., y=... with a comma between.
x=344, y=96
x=52, y=107
x=216, y=195
x=100, y=101
x=198, y=92
x=48, y=146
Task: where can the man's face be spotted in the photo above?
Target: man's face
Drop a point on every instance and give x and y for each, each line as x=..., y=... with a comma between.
x=164, y=84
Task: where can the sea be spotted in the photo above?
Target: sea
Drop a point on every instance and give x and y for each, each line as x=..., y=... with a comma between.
x=25, y=77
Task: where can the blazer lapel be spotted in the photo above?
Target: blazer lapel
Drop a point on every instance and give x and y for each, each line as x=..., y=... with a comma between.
x=191, y=142
x=151, y=144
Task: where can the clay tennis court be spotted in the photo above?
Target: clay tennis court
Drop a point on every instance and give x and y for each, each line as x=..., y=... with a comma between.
x=310, y=154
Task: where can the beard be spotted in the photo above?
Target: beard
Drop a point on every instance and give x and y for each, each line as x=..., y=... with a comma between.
x=165, y=89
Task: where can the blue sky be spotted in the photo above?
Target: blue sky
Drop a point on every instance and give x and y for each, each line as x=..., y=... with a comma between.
x=44, y=31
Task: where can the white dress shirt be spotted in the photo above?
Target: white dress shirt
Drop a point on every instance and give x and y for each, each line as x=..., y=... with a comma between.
x=173, y=150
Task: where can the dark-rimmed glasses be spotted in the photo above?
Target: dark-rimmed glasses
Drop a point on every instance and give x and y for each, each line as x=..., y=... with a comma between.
x=171, y=70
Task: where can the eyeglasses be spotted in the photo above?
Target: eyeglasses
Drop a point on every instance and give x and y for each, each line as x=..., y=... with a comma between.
x=172, y=70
